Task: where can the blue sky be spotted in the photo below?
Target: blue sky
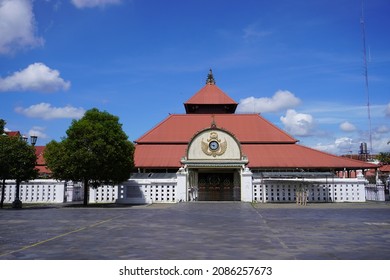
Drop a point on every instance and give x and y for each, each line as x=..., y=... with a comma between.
x=298, y=63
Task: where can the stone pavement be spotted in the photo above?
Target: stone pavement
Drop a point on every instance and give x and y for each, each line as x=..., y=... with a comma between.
x=198, y=230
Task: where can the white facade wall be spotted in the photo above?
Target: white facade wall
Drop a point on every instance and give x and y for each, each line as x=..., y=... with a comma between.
x=141, y=191
x=318, y=190
x=36, y=191
x=103, y=194
x=375, y=192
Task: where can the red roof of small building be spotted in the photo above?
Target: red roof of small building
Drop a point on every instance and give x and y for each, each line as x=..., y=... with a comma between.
x=41, y=163
x=39, y=153
x=385, y=168
x=13, y=133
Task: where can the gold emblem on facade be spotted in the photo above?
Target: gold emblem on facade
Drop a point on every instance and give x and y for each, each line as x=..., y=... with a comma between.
x=214, y=146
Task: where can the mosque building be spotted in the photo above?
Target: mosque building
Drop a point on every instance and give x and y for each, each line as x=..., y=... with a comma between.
x=210, y=153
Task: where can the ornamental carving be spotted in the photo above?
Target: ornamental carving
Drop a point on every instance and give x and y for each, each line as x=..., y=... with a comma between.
x=214, y=146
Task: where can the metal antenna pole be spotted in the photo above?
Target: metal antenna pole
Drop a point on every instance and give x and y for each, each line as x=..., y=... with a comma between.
x=363, y=25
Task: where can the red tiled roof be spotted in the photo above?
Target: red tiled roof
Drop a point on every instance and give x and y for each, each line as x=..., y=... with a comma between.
x=39, y=153
x=247, y=128
x=159, y=156
x=265, y=145
x=210, y=94
x=385, y=168
x=259, y=155
x=296, y=156
x=41, y=163
x=13, y=133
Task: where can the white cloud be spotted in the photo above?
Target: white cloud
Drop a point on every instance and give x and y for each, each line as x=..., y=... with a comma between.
x=343, y=143
x=387, y=110
x=36, y=77
x=47, y=112
x=381, y=145
x=17, y=26
x=382, y=129
x=347, y=127
x=281, y=100
x=298, y=123
x=341, y=146
x=38, y=131
x=94, y=3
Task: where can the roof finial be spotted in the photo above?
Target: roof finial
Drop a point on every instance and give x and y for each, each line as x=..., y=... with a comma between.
x=210, y=78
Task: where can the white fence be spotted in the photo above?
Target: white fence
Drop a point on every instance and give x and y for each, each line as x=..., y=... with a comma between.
x=103, y=194
x=139, y=191
x=277, y=191
x=36, y=191
x=375, y=192
x=164, y=190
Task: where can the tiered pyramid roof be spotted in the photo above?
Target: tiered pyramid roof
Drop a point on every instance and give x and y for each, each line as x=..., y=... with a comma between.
x=265, y=145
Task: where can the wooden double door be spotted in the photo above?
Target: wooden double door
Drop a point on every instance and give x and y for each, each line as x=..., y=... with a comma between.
x=216, y=186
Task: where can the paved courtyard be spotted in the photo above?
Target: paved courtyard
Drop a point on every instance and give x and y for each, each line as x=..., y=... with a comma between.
x=214, y=230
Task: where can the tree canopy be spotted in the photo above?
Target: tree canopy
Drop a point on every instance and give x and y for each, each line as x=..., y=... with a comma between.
x=17, y=161
x=2, y=126
x=95, y=151
x=384, y=157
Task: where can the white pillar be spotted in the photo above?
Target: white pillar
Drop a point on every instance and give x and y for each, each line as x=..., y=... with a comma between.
x=60, y=192
x=181, y=187
x=246, y=185
x=92, y=195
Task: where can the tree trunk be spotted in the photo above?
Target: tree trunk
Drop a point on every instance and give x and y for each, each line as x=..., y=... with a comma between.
x=86, y=192
x=2, y=194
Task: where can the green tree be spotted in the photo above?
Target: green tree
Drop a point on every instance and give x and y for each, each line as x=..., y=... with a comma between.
x=17, y=161
x=95, y=151
x=384, y=157
x=2, y=126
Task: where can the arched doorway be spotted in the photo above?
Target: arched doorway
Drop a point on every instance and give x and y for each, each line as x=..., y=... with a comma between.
x=214, y=185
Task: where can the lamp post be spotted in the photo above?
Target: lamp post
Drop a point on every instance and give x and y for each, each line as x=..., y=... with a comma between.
x=17, y=203
x=3, y=174
x=33, y=139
